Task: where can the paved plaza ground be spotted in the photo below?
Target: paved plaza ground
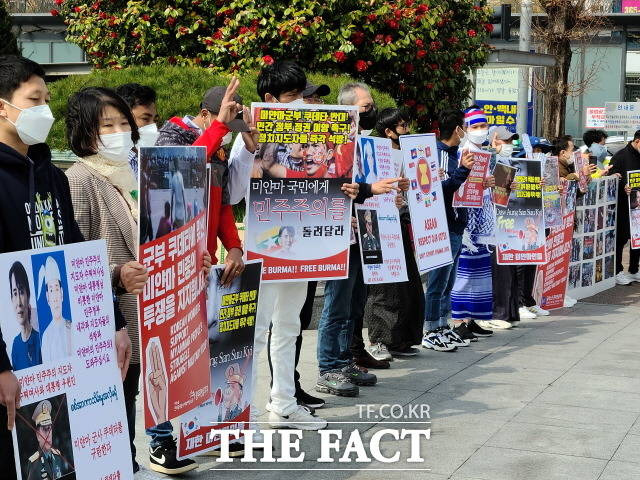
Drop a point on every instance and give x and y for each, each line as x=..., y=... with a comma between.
x=555, y=398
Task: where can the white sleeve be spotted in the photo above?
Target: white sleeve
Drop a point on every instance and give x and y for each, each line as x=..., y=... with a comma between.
x=240, y=165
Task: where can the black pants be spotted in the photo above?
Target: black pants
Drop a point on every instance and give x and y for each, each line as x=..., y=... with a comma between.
x=7, y=462
x=306, y=314
x=622, y=237
x=526, y=280
x=131, y=390
x=506, y=291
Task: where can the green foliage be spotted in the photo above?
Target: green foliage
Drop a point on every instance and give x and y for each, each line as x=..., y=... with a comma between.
x=8, y=44
x=421, y=52
x=179, y=89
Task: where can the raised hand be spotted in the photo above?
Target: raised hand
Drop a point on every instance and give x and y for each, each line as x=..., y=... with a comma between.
x=229, y=108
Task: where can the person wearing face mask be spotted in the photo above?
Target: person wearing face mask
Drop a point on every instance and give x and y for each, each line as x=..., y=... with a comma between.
x=32, y=187
x=624, y=160
x=595, y=144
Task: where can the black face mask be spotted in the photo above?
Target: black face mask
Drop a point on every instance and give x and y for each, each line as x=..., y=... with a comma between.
x=369, y=118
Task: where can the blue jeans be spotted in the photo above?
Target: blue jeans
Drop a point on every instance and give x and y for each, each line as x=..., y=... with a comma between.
x=335, y=329
x=439, y=285
x=161, y=434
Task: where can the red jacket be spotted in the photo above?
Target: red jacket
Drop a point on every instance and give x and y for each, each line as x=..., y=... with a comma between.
x=222, y=223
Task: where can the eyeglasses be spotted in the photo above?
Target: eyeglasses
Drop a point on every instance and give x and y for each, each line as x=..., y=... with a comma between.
x=403, y=125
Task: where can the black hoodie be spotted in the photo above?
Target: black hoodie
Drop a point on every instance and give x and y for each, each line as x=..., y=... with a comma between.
x=28, y=188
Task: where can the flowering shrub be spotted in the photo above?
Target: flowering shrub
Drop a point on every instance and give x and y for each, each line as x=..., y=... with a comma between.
x=421, y=52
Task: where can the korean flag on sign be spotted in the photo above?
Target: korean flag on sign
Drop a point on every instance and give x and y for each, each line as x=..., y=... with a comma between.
x=190, y=426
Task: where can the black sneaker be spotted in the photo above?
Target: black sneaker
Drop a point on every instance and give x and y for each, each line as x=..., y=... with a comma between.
x=358, y=377
x=309, y=400
x=454, y=338
x=336, y=383
x=235, y=450
x=477, y=330
x=163, y=459
x=464, y=333
x=406, y=351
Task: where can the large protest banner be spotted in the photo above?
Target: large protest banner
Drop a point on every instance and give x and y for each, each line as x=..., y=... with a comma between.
x=298, y=219
x=59, y=331
x=471, y=191
x=426, y=202
x=231, y=314
x=519, y=226
x=633, y=180
x=622, y=116
x=173, y=334
x=381, y=248
x=593, y=250
x=551, y=193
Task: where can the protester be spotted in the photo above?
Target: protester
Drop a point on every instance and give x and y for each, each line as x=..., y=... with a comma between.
x=313, y=93
x=30, y=179
x=393, y=310
x=594, y=144
x=622, y=162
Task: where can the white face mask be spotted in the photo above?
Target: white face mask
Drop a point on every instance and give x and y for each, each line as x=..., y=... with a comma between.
x=33, y=124
x=478, y=137
x=226, y=140
x=148, y=135
x=116, y=146
x=506, y=150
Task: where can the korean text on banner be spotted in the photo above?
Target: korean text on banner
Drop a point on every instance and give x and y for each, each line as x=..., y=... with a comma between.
x=298, y=219
x=504, y=176
x=551, y=192
x=594, y=117
x=60, y=339
x=622, y=116
x=231, y=315
x=633, y=180
x=381, y=247
x=519, y=226
x=426, y=202
x=470, y=193
x=173, y=326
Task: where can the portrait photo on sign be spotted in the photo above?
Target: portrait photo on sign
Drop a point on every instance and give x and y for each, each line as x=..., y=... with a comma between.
x=610, y=216
x=169, y=193
x=574, y=276
x=578, y=221
x=370, y=236
x=592, y=193
x=576, y=249
x=588, y=247
x=610, y=241
x=589, y=220
x=599, y=271
x=53, y=305
x=600, y=217
x=612, y=189
x=20, y=327
x=44, y=440
x=587, y=274
x=599, y=243
x=366, y=165
x=609, y=266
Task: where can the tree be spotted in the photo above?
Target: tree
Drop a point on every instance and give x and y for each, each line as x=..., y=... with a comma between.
x=8, y=43
x=568, y=24
x=421, y=52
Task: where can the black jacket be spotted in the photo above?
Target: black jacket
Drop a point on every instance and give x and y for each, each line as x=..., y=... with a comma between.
x=623, y=161
x=35, y=208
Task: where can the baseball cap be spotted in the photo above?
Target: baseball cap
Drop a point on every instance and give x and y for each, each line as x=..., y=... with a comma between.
x=541, y=143
x=502, y=133
x=320, y=90
x=212, y=101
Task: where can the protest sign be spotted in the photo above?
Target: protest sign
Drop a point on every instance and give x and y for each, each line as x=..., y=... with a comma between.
x=622, y=116
x=298, y=219
x=471, y=191
x=59, y=336
x=630, y=6
x=593, y=250
x=504, y=176
x=426, y=202
x=594, y=117
x=579, y=164
x=551, y=192
x=231, y=314
x=519, y=226
x=379, y=234
x=172, y=320
x=633, y=180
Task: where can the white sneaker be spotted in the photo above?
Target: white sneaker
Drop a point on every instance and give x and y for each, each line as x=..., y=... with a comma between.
x=526, y=313
x=299, y=419
x=634, y=277
x=539, y=311
x=569, y=302
x=623, y=279
x=494, y=324
x=380, y=352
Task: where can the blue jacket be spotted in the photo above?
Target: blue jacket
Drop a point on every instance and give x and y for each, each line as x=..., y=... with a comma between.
x=454, y=178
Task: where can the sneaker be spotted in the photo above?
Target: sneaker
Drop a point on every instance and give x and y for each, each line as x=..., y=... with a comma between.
x=435, y=341
x=299, y=419
x=145, y=474
x=634, y=277
x=477, y=330
x=623, y=279
x=539, y=311
x=379, y=352
x=310, y=409
x=524, y=312
x=309, y=400
x=496, y=324
x=453, y=338
x=358, y=377
x=336, y=383
x=235, y=450
x=367, y=361
x=465, y=334
x=569, y=302
x=163, y=459
x=406, y=351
